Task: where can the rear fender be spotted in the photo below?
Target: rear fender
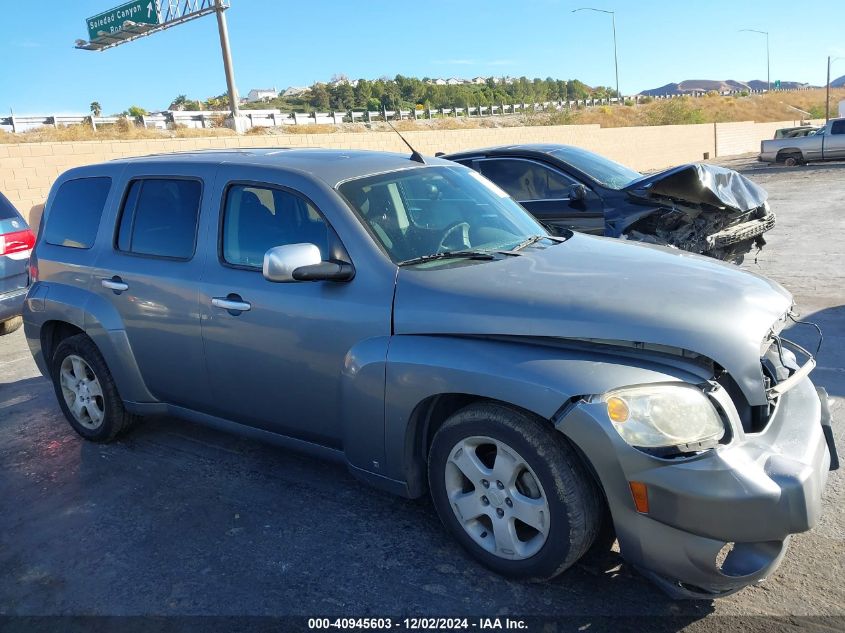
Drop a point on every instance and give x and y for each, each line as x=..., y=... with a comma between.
x=96, y=317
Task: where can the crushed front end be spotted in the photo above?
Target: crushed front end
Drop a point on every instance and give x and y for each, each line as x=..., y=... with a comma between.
x=705, y=520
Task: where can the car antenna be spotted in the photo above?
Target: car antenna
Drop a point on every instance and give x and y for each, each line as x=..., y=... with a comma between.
x=415, y=155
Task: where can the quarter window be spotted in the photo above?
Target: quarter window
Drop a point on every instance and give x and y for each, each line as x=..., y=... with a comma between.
x=838, y=127
x=75, y=214
x=256, y=219
x=160, y=218
x=526, y=179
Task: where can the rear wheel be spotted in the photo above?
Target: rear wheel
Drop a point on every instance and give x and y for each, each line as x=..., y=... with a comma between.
x=86, y=390
x=10, y=325
x=792, y=160
x=513, y=491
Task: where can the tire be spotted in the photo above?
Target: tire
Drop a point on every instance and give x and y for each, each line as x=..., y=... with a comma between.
x=551, y=488
x=792, y=160
x=10, y=325
x=80, y=374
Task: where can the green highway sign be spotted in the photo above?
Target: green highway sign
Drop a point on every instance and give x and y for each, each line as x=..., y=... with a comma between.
x=111, y=21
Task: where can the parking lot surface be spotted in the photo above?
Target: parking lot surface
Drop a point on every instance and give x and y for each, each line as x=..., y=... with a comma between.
x=179, y=519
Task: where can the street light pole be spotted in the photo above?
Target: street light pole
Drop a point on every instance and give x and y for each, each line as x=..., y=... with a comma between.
x=827, y=88
x=768, y=66
x=227, y=61
x=615, y=56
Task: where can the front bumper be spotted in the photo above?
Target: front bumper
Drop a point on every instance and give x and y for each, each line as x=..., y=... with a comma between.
x=747, y=496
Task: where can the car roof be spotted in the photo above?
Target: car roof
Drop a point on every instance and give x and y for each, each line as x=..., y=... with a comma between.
x=330, y=165
x=535, y=148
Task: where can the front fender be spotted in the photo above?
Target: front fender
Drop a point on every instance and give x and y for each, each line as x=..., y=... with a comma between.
x=536, y=377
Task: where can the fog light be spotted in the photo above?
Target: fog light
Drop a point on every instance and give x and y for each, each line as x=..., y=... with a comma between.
x=640, y=493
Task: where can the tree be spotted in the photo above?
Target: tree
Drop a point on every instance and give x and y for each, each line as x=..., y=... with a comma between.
x=363, y=93
x=342, y=96
x=320, y=97
x=96, y=109
x=179, y=103
x=136, y=111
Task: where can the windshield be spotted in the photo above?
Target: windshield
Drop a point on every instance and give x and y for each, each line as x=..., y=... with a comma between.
x=603, y=170
x=423, y=211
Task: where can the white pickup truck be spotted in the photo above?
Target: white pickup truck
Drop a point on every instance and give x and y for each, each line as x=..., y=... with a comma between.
x=828, y=143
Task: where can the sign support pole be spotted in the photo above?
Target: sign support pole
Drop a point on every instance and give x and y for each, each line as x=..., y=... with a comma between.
x=227, y=62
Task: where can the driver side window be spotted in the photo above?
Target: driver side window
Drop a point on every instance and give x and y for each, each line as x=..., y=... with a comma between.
x=526, y=180
x=255, y=219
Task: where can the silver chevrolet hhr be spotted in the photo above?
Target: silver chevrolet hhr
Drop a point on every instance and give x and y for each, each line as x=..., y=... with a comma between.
x=408, y=318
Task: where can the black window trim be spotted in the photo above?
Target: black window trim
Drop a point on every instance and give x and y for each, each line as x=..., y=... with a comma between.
x=536, y=161
x=124, y=198
x=44, y=216
x=273, y=187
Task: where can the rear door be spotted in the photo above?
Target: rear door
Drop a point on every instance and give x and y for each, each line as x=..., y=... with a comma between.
x=150, y=273
x=545, y=192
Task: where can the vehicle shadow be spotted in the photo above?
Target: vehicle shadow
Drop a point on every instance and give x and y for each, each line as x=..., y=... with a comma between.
x=190, y=520
x=830, y=361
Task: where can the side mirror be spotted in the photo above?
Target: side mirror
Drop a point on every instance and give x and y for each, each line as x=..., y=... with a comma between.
x=577, y=193
x=302, y=262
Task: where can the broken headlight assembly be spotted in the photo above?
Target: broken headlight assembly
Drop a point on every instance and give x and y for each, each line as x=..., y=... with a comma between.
x=679, y=417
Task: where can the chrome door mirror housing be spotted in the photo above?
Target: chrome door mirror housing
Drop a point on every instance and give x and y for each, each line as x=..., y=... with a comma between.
x=303, y=262
x=281, y=261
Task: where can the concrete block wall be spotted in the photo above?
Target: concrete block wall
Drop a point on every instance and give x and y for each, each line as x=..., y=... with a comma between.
x=27, y=170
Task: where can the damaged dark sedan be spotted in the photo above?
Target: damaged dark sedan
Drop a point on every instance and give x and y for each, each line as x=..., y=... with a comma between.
x=696, y=207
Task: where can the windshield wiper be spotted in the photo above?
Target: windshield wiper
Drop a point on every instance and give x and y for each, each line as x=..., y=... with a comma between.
x=526, y=243
x=447, y=255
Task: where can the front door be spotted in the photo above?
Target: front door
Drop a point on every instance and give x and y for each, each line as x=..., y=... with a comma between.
x=834, y=144
x=546, y=193
x=276, y=351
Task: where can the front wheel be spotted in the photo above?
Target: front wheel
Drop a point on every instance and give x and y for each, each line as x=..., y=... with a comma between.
x=513, y=491
x=793, y=160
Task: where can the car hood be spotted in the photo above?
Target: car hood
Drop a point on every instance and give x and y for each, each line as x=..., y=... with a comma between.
x=600, y=288
x=698, y=183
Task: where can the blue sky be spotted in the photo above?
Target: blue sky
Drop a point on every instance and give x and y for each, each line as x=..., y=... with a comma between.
x=285, y=42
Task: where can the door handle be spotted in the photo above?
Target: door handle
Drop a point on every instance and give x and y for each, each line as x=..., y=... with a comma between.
x=115, y=283
x=231, y=304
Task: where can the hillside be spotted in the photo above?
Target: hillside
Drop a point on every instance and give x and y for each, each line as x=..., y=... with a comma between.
x=838, y=83
x=690, y=86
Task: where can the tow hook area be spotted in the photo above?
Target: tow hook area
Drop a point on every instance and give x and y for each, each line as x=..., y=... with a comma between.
x=828, y=428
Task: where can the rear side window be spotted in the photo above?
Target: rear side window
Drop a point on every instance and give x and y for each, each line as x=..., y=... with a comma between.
x=7, y=211
x=160, y=218
x=838, y=127
x=75, y=215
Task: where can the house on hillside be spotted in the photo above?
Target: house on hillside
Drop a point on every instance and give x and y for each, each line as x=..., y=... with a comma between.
x=261, y=94
x=454, y=81
x=479, y=81
x=295, y=91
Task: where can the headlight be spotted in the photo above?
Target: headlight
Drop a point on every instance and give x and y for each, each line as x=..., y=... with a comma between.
x=663, y=416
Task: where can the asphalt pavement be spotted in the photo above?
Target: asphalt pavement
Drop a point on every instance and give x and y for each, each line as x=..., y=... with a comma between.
x=177, y=519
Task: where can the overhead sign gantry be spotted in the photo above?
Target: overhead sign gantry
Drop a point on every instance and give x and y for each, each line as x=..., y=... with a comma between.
x=139, y=18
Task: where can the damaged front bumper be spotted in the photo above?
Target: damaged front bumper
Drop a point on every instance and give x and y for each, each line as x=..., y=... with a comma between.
x=741, y=232
x=720, y=520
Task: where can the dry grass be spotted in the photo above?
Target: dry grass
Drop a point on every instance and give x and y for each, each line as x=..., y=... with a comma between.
x=117, y=132
x=708, y=109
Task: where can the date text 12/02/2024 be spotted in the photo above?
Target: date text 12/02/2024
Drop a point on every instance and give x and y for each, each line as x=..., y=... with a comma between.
x=412, y=624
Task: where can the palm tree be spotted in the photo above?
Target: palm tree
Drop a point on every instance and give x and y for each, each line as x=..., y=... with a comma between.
x=96, y=109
